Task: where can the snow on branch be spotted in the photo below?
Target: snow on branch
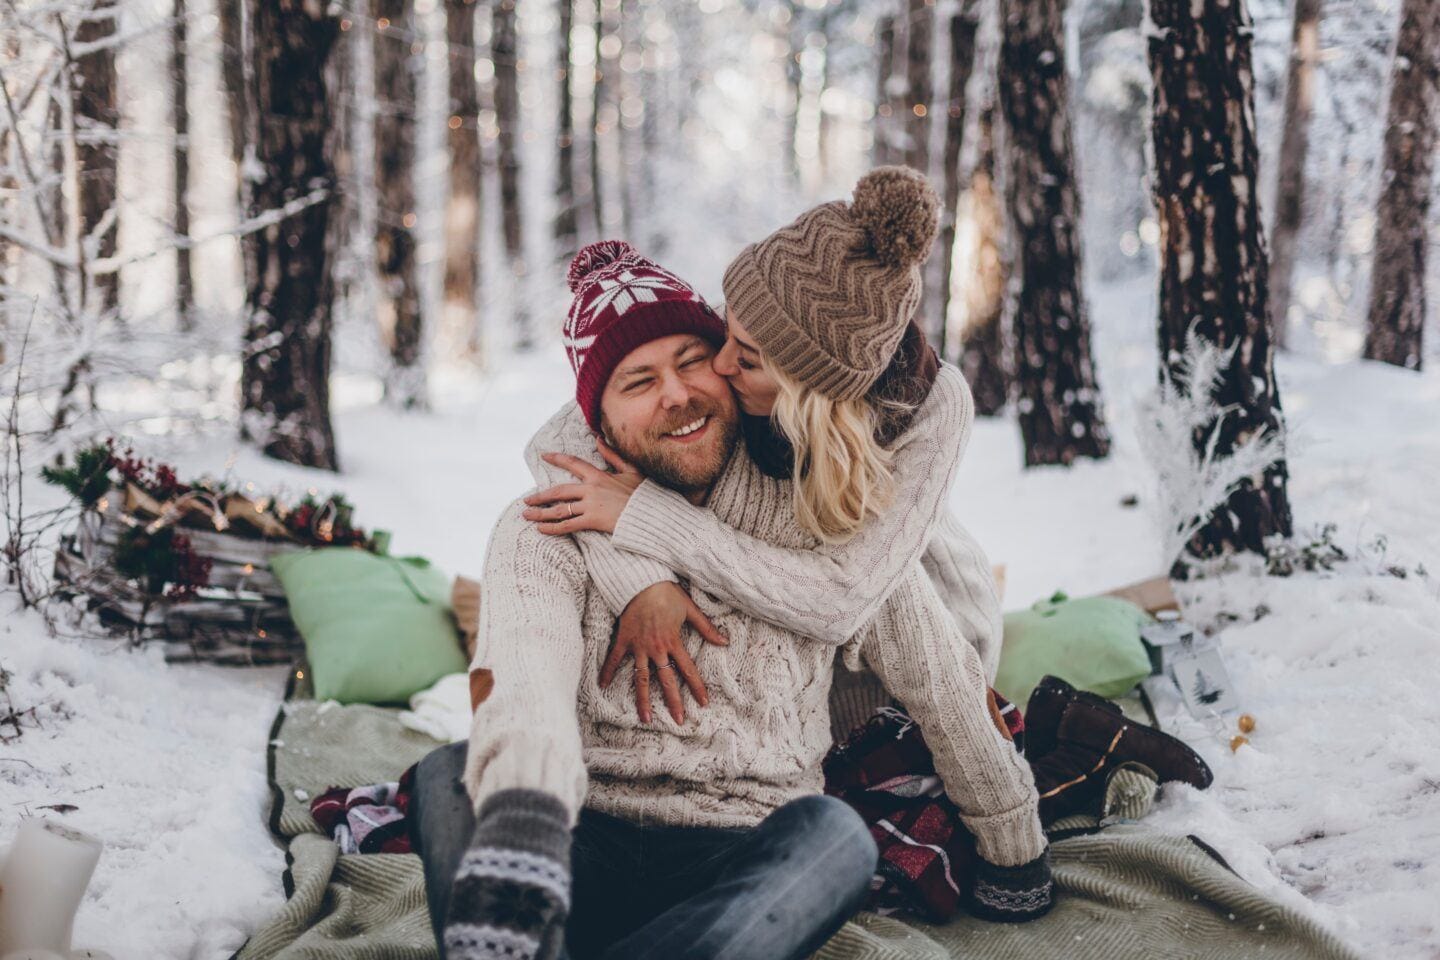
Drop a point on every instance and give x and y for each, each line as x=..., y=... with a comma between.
x=1192, y=480
x=262, y=221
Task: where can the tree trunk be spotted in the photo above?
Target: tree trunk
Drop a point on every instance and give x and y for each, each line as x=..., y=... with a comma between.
x=963, y=27
x=180, y=125
x=983, y=358
x=1397, y=279
x=921, y=88
x=54, y=213
x=1060, y=409
x=827, y=75
x=9, y=185
x=790, y=39
x=284, y=387
x=1294, y=145
x=98, y=116
x=462, y=212
x=625, y=89
x=920, y=96
x=397, y=58
x=340, y=75
x=652, y=182
x=566, y=226
x=237, y=69
x=504, y=50
x=882, y=142
x=597, y=121
x=1214, y=269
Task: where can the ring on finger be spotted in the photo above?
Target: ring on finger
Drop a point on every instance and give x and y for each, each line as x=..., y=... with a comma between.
x=667, y=665
x=571, y=507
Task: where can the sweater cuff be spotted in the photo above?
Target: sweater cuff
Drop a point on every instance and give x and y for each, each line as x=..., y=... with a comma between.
x=620, y=576
x=1008, y=839
x=526, y=761
x=657, y=523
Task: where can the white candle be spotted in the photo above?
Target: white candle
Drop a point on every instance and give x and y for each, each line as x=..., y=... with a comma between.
x=41, y=886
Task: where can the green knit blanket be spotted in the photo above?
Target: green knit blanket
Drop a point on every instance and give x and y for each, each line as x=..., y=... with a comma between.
x=1124, y=894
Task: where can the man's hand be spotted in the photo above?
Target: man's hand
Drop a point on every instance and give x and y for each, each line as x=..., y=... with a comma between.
x=649, y=631
x=595, y=502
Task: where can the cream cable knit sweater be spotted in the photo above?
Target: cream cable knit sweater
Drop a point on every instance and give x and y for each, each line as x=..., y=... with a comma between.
x=829, y=592
x=545, y=629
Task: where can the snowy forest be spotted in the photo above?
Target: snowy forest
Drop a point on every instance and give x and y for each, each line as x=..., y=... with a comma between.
x=313, y=253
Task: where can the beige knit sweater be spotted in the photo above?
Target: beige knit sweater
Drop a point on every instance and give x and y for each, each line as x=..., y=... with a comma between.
x=827, y=592
x=545, y=629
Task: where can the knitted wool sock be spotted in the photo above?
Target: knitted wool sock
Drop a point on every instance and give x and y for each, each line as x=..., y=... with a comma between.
x=512, y=891
x=1013, y=894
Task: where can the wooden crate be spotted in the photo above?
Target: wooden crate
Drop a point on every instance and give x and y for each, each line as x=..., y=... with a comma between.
x=241, y=618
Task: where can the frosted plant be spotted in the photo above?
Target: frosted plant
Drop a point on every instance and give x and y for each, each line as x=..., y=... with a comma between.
x=1192, y=481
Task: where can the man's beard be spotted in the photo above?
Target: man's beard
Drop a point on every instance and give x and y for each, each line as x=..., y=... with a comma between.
x=679, y=467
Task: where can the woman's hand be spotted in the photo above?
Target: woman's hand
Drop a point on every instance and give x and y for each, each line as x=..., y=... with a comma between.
x=649, y=631
x=594, y=503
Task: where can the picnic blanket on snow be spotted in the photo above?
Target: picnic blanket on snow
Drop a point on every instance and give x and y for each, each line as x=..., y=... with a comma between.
x=363, y=906
x=1127, y=893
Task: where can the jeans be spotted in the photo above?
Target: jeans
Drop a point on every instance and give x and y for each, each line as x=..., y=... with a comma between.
x=774, y=891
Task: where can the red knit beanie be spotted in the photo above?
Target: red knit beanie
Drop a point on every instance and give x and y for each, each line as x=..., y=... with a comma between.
x=622, y=301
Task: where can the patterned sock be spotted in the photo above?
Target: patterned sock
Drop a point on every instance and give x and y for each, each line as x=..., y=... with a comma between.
x=512, y=891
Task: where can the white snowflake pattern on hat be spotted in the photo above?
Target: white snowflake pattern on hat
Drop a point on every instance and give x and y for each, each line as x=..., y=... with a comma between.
x=626, y=289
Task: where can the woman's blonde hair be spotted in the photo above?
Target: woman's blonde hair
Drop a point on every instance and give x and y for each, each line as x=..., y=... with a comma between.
x=842, y=475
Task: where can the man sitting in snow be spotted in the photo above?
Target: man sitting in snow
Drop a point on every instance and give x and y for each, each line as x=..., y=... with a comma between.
x=575, y=825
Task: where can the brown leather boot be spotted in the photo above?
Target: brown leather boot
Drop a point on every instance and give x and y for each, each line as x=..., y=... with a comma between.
x=1090, y=742
x=1047, y=705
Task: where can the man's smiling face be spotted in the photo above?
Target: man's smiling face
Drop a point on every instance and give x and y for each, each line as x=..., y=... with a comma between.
x=668, y=412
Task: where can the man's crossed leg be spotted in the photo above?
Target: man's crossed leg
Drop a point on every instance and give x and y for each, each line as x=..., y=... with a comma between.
x=771, y=892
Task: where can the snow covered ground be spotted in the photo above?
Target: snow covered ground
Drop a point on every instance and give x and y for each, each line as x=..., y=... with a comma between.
x=1335, y=804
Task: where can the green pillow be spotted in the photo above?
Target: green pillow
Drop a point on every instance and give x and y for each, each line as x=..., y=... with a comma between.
x=1094, y=644
x=377, y=629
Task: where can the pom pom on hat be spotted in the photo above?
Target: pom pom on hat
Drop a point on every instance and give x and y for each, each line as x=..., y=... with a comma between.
x=594, y=256
x=900, y=214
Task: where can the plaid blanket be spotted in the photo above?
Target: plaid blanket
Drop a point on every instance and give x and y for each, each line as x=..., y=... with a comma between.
x=368, y=819
x=885, y=771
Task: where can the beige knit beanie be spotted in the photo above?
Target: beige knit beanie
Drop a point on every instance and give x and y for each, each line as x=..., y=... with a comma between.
x=828, y=297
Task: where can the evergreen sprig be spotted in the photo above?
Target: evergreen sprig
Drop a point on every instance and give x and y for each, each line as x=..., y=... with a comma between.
x=88, y=478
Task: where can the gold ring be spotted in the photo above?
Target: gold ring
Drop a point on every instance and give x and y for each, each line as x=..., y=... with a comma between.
x=571, y=507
